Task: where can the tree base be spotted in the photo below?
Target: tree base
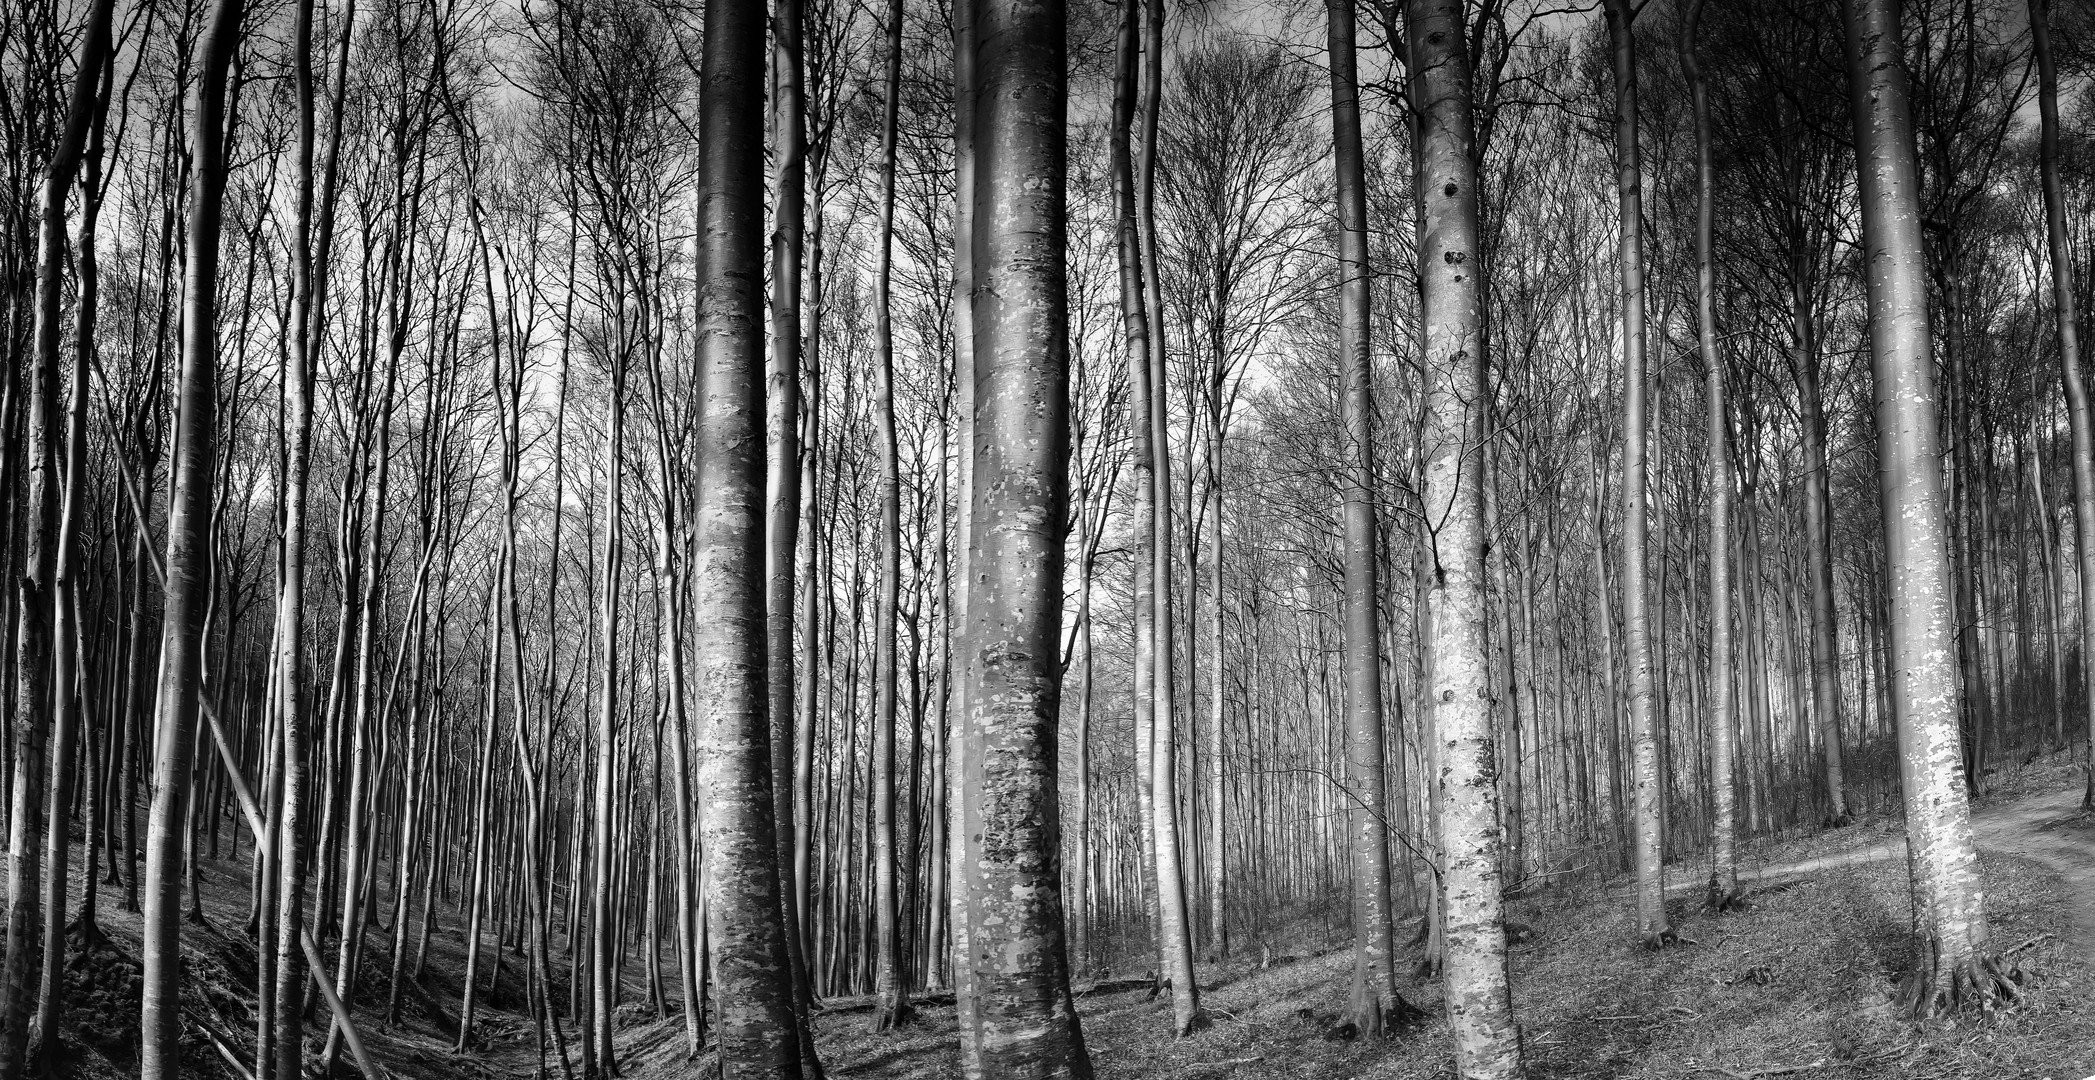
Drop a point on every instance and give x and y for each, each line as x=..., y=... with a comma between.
x=1841, y=820
x=1722, y=898
x=1985, y=982
x=892, y=1015
x=1375, y=1021
x=1200, y=1019
x=1663, y=939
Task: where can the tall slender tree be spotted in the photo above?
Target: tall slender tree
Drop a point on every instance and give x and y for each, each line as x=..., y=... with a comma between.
x=1451, y=304
x=1724, y=872
x=188, y=551
x=43, y=713
x=1648, y=786
x=892, y=981
x=2066, y=310
x=758, y=1029
x=1955, y=962
x=1374, y=1002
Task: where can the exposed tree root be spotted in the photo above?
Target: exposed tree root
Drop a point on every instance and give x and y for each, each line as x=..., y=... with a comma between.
x=1200, y=1020
x=893, y=1015
x=1723, y=898
x=1932, y=989
x=1375, y=1020
x=1663, y=939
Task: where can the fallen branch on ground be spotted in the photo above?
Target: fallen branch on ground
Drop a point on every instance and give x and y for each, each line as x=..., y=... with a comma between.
x=1772, y=1070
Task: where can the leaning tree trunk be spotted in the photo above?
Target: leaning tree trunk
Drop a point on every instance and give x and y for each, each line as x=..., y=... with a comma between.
x=1648, y=787
x=1956, y=961
x=45, y=657
x=757, y=1028
x=1724, y=871
x=2066, y=305
x=1451, y=291
x=1019, y=1020
x=188, y=554
x=1374, y=1002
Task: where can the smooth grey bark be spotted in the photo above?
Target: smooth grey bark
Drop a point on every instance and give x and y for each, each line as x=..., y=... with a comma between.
x=1647, y=785
x=1019, y=1020
x=189, y=552
x=1135, y=319
x=1957, y=964
x=785, y=488
x=2066, y=309
x=891, y=981
x=45, y=712
x=758, y=1028
x=1174, y=926
x=1374, y=1005
x=1451, y=290
x=1724, y=871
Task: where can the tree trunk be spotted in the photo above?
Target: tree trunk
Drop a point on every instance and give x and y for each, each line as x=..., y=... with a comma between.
x=47, y=657
x=188, y=559
x=1479, y=998
x=891, y=981
x=1648, y=785
x=782, y=522
x=2066, y=307
x=1374, y=1005
x=1956, y=962
x=758, y=1030
x=1724, y=872
x=1020, y=1021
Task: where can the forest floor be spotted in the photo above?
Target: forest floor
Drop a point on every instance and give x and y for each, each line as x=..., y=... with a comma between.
x=1799, y=984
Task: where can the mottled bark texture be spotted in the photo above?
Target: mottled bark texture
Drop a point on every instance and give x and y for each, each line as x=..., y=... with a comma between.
x=1019, y=1021
x=1374, y=1003
x=1451, y=290
x=757, y=1028
x=1956, y=962
x=1647, y=786
x=1724, y=870
x=188, y=553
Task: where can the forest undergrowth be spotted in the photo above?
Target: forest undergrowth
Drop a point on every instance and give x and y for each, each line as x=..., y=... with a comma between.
x=1802, y=984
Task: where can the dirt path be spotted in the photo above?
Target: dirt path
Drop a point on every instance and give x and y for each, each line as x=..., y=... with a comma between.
x=2048, y=828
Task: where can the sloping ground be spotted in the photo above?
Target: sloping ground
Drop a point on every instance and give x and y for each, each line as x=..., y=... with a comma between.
x=1799, y=985
x=1800, y=982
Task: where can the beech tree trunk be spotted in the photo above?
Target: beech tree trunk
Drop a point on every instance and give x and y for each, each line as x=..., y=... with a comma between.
x=46, y=658
x=1724, y=871
x=189, y=552
x=1956, y=960
x=1648, y=786
x=1374, y=1003
x=1473, y=936
x=1019, y=1020
x=2066, y=309
x=782, y=521
x=891, y=979
x=758, y=1029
